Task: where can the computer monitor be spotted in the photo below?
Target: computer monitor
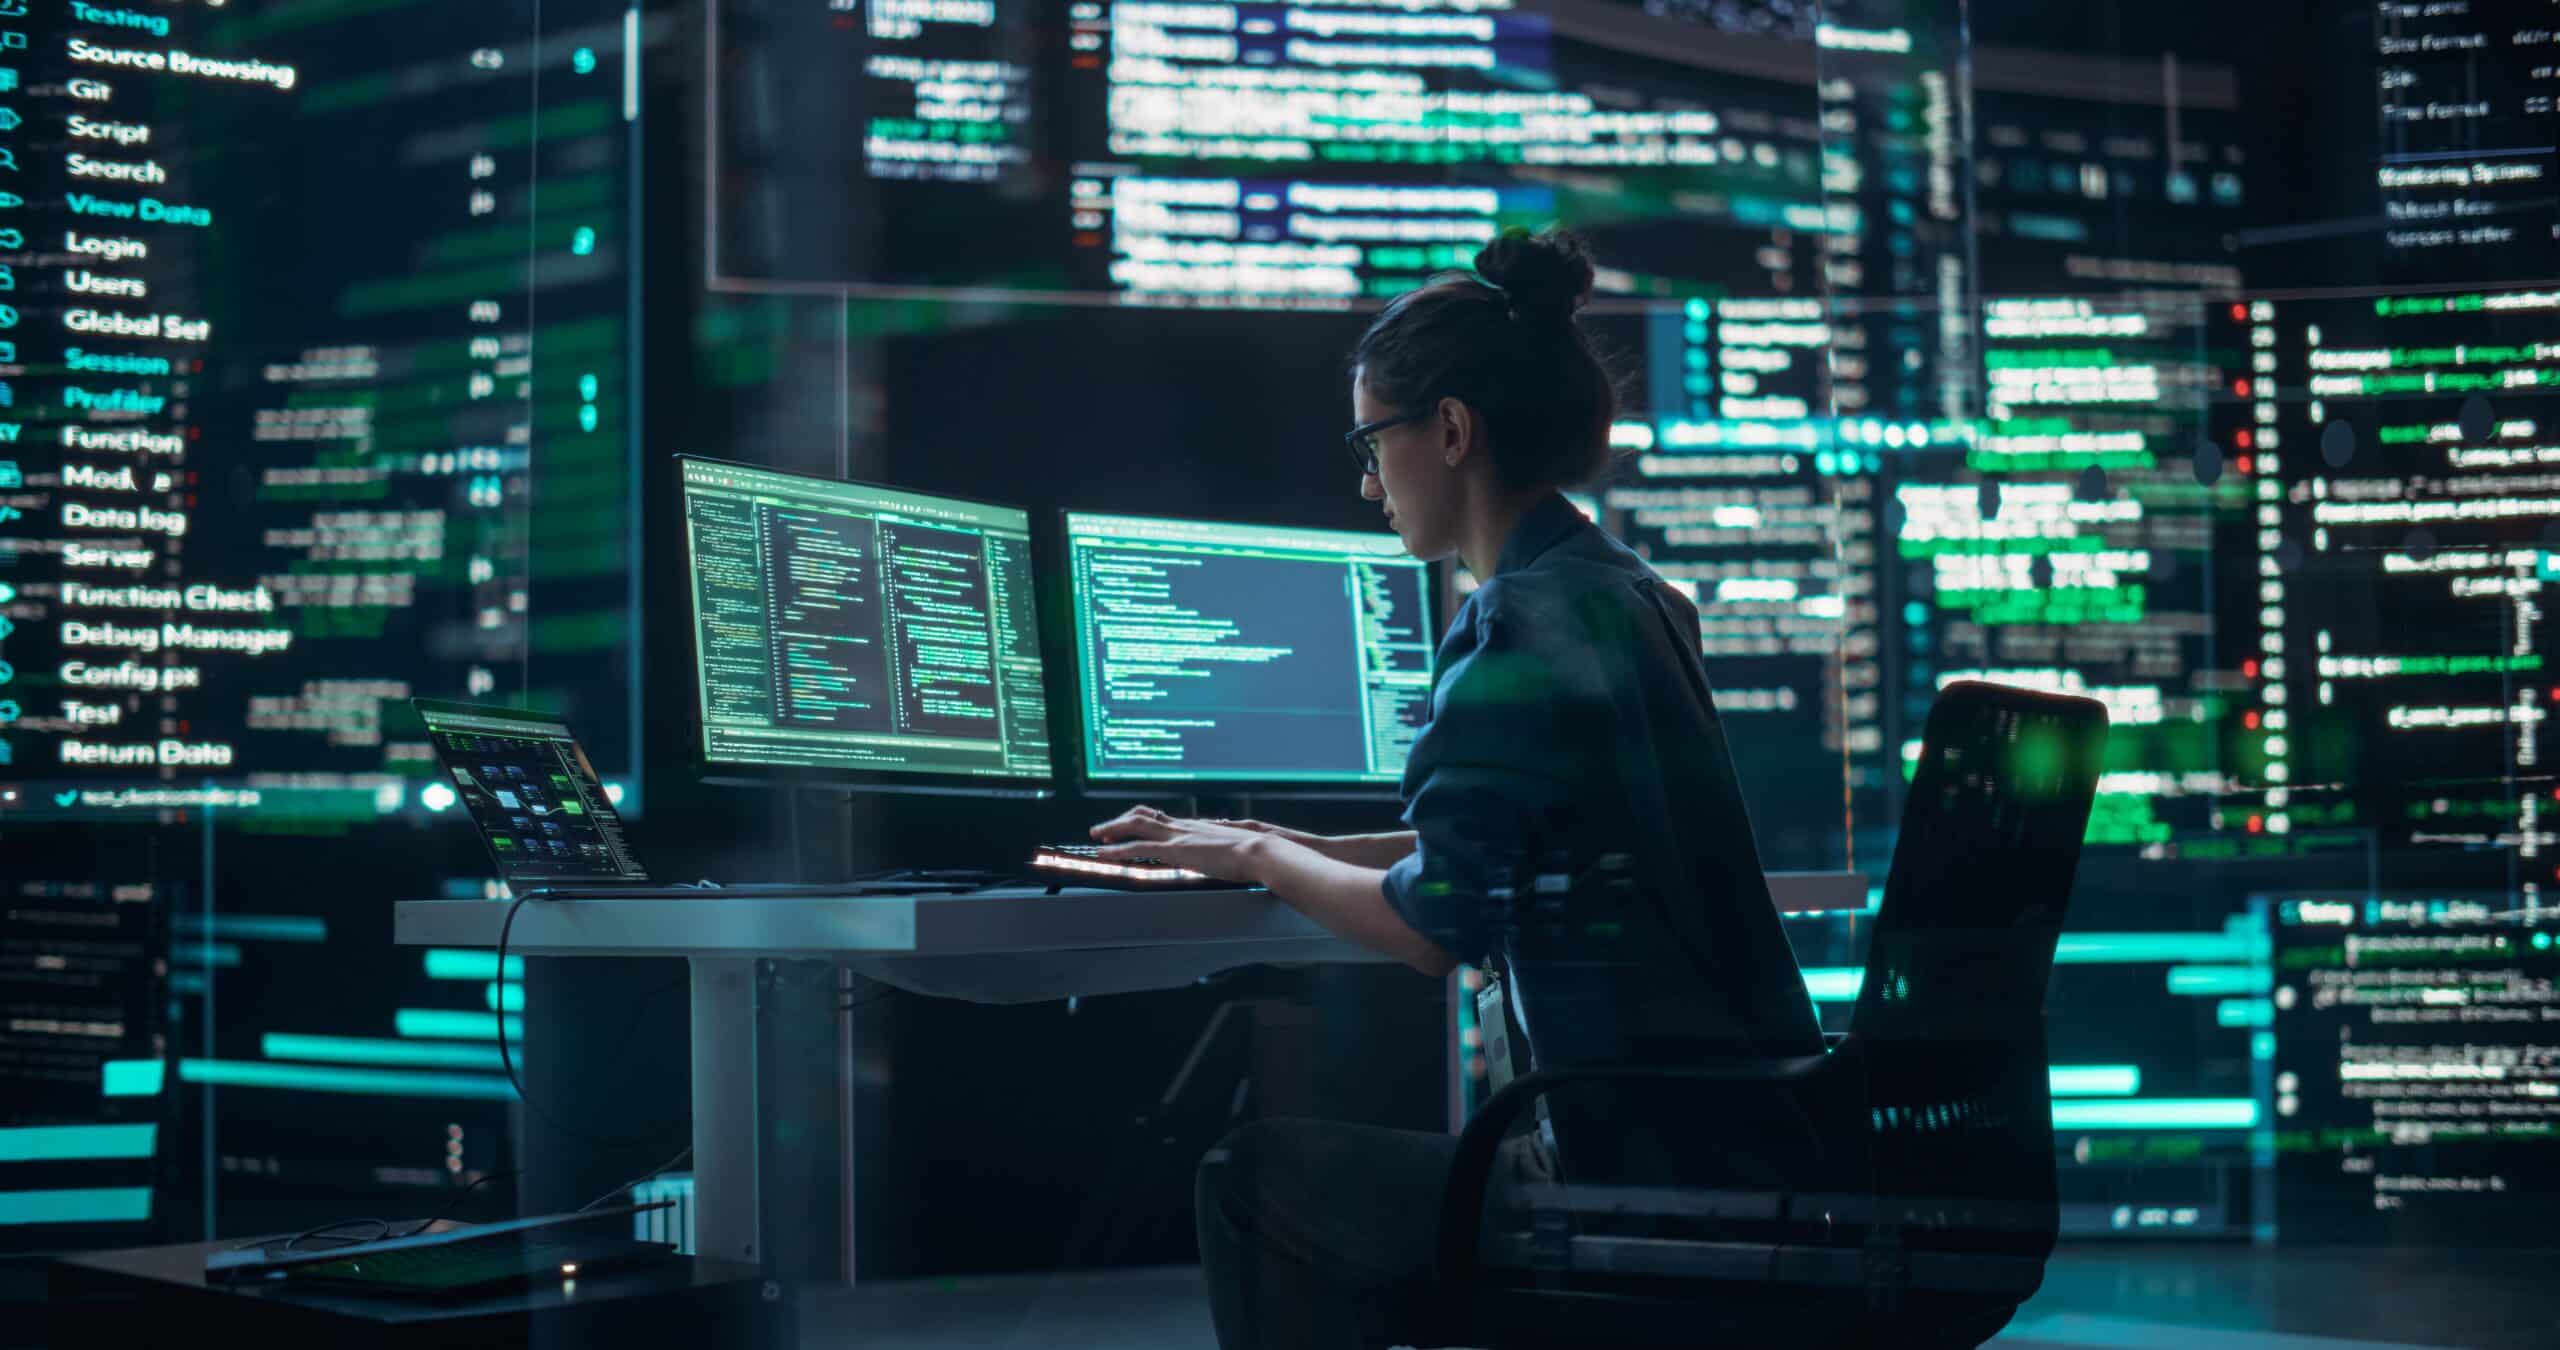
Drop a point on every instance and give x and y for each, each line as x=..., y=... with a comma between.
x=1252, y=657
x=862, y=636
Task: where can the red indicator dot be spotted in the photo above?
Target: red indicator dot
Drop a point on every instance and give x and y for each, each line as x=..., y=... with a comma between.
x=2250, y=669
x=2243, y=439
x=2245, y=464
x=2257, y=824
x=2239, y=313
x=2240, y=387
x=2250, y=720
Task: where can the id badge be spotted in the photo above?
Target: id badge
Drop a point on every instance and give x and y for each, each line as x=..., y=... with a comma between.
x=1529, y=1157
x=1493, y=1023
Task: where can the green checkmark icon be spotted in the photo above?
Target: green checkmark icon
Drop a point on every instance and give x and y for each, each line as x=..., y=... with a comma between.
x=66, y=798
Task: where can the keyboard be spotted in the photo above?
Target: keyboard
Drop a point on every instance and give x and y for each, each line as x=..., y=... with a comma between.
x=1084, y=865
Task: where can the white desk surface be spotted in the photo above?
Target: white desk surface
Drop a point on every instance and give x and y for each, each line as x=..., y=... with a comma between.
x=1078, y=942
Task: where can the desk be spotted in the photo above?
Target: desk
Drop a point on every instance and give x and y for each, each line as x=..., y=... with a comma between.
x=1009, y=945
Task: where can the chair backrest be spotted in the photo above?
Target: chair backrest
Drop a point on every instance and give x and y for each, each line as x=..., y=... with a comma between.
x=1950, y=1021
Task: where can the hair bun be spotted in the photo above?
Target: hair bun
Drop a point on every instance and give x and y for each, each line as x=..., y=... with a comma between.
x=1547, y=275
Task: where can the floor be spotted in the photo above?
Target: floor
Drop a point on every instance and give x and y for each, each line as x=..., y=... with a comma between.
x=2094, y=1298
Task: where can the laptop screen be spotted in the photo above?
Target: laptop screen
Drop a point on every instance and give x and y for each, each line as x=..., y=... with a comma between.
x=535, y=798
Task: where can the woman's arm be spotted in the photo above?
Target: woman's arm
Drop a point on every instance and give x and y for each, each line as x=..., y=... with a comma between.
x=1344, y=898
x=1381, y=850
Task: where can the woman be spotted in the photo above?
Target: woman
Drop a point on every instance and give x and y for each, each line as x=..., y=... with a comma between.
x=1571, y=720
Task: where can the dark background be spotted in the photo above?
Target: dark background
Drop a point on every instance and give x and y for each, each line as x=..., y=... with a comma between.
x=1009, y=1138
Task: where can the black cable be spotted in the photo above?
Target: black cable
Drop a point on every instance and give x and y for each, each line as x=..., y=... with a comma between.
x=632, y=1028
x=458, y=1197
x=850, y=1004
x=635, y=1181
x=382, y=1229
x=506, y=927
x=382, y=1226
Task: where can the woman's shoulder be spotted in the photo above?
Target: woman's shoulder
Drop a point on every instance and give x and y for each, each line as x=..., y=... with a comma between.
x=1572, y=599
x=1579, y=625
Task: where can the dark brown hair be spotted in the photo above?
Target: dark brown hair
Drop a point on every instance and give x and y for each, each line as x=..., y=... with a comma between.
x=1504, y=340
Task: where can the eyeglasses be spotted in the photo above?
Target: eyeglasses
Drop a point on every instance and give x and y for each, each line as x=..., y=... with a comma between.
x=1363, y=439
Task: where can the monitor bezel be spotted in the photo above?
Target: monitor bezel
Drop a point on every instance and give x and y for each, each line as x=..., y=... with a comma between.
x=1271, y=788
x=905, y=782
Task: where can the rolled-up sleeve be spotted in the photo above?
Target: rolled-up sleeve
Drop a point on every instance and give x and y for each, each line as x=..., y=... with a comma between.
x=1503, y=759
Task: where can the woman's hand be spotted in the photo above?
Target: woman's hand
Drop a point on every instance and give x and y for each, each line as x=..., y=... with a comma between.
x=1221, y=848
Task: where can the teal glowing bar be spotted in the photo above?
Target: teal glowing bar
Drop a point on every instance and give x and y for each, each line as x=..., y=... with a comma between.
x=368, y=1050
x=133, y=1078
x=64, y=1143
x=1833, y=984
x=1875, y=903
x=2096, y=1080
x=2099, y=949
x=511, y=995
x=442, y=1024
x=212, y=955
x=256, y=927
x=2212, y=981
x=114, y=1204
x=187, y=982
x=452, y=963
x=354, y=1082
x=2158, y=1113
x=2244, y=1012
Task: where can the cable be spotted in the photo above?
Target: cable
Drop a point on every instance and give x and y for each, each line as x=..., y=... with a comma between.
x=382, y=1229
x=635, y=1181
x=506, y=927
x=458, y=1197
x=849, y=1004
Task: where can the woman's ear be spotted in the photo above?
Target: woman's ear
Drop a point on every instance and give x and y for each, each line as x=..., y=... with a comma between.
x=1460, y=431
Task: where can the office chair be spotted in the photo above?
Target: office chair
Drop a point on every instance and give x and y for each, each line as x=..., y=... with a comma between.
x=1933, y=1207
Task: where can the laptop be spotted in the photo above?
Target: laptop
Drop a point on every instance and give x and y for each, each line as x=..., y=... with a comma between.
x=444, y=1259
x=551, y=827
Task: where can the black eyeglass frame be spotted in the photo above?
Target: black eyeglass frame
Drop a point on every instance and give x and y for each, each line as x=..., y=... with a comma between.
x=1363, y=439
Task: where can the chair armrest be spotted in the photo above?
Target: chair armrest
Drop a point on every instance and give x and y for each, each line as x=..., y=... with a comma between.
x=1462, y=1200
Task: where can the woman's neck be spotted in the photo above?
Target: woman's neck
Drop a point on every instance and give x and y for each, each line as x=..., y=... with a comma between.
x=1488, y=530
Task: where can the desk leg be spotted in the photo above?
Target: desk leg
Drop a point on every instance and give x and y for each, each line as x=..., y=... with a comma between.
x=727, y=1206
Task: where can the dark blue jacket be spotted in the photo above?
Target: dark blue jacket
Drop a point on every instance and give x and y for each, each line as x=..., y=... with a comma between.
x=1572, y=712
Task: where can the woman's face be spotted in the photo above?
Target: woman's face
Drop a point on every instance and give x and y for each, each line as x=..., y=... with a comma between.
x=1414, y=483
